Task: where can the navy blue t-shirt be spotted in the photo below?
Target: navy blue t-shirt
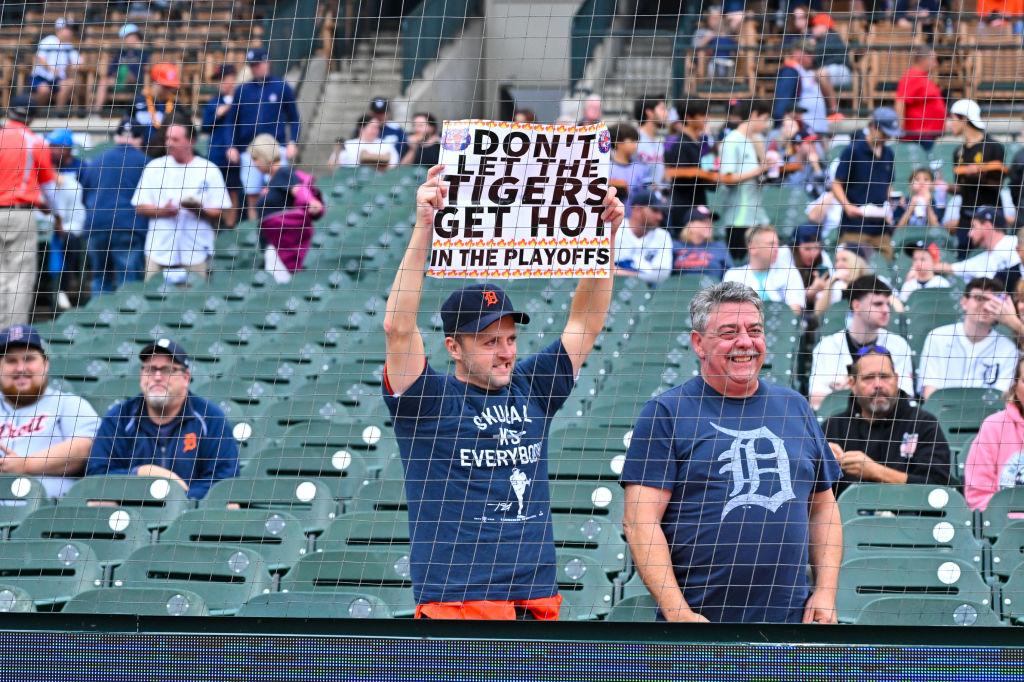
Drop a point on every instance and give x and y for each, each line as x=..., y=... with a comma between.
x=711, y=259
x=741, y=472
x=866, y=180
x=476, y=479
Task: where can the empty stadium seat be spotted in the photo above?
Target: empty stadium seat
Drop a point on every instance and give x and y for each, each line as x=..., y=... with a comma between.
x=277, y=536
x=305, y=605
x=225, y=576
x=1008, y=549
x=19, y=497
x=585, y=588
x=640, y=608
x=52, y=571
x=138, y=601
x=928, y=611
x=1012, y=594
x=343, y=469
x=934, y=502
x=307, y=499
x=113, y=533
x=366, y=529
x=157, y=500
x=381, y=572
x=884, y=536
x=15, y=600
x=1005, y=507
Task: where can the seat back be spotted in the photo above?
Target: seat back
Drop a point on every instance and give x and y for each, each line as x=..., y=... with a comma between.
x=307, y=499
x=276, y=535
x=113, y=533
x=52, y=571
x=381, y=572
x=15, y=600
x=585, y=588
x=19, y=497
x=307, y=605
x=884, y=536
x=138, y=601
x=928, y=610
x=1005, y=507
x=931, y=501
x=343, y=469
x=157, y=500
x=640, y=608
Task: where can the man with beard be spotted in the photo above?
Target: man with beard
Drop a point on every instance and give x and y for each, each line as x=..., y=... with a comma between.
x=882, y=436
x=43, y=432
x=166, y=431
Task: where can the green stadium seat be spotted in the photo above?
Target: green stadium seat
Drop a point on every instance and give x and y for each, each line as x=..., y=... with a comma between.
x=960, y=412
x=52, y=571
x=1005, y=507
x=19, y=497
x=372, y=441
x=381, y=572
x=596, y=538
x=306, y=605
x=113, y=533
x=138, y=601
x=157, y=500
x=1012, y=594
x=381, y=495
x=601, y=499
x=585, y=588
x=928, y=309
x=225, y=576
x=277, y=536
x=15, y=600
x=929, y=501
x=577, y=452
x=926, y=611
x=356, y=530
x=1008, y=549
x=862, y=580
x=640, y=608
x=883, y=536
x=344, y=470
x=834, y=403
x=834, y=319
x=307, y=499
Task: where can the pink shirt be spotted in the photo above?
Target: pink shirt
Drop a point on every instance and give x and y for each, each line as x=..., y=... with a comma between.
x=996, y=458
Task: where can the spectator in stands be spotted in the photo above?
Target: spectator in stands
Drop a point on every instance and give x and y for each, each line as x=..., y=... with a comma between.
x=831, y=62
x=849, y=265
x=697, y=252
x=154, y=106
x=1011, y=276
x=390, y=132
x=763, y=274
x=998, y=249
x=977, y=166
x=741, y=167
x=732, y=543
x=920, y=103
x=524, y=116
x=684, y=166
x=721, y=45
x=116, y=232
x=45, y=433
x=996, y=458
x=56, y=65
x=708, y=28
x=183, y=196
x=643, y=248
x=593, y=110
x=623, y=172
x=456, y=488
x=795, y=154
x=969, y=353
x=368, y=149
x=424, y=144
x=798, y=85
x=221, y=133
x=26, y=171
x=807, y=255
x=866, y=326
x=1015, y=186
x=651, y=114
x=265, y=104
x=862, y=182
x=286, y=210
x=924, y=256
x=167, y=431
x=66, y=257
x=126, y=71
x=736, y=112
x=883, y=436
x=921, y=210
x=920, y=15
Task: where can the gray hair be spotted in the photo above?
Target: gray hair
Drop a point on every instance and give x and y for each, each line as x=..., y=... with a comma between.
x=708, y=299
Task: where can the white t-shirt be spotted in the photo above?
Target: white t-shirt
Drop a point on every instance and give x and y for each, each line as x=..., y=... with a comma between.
x=185, y=239
x=950, y=360
x=832, y=356
x=782, y=285
x=650, y=256
x=988, y=263
x=349, y=156
x=650, y=160
x=54, y=418
x=58, y=55
x=912, y=285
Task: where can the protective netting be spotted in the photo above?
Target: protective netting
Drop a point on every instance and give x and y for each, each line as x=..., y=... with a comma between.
x=210, y=218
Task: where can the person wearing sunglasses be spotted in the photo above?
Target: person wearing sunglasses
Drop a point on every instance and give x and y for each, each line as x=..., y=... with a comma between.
x=167, y=431
x=883, y=436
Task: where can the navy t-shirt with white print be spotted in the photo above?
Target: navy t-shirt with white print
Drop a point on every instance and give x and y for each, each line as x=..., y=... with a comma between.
x=741, y=472
x=476, y=480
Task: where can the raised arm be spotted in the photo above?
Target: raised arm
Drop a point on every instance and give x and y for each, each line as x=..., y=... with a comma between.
x=593, y=296
x=404, y=345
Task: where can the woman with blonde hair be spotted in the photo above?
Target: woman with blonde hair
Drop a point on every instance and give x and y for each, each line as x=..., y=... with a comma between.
x=996, y=458
x=849, y=265
x=285, y=210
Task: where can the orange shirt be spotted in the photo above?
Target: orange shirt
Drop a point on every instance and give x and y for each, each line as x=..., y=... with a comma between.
x=1010, y=8
x=25, y=164
x=545, y=608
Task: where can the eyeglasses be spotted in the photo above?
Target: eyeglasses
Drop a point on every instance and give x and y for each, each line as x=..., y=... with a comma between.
x=864, y=350
x=168, y=371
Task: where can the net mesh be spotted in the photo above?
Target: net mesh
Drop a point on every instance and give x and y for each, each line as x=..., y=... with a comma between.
x=222, y=197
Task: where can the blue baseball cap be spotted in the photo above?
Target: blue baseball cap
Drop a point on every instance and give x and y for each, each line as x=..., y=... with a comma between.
x=127, y=30
x=472, y=309
x=651, y=198
x=167, y=347
x=61, y=137
x=698, y=214
x=985, y=214
x=21, y=335
x=256, y=55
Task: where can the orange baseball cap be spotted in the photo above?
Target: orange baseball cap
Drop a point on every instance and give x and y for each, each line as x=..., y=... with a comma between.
x=823, y=20
x=166, y=75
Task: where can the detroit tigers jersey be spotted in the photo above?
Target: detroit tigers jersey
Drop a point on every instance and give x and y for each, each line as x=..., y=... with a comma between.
x=950, y=360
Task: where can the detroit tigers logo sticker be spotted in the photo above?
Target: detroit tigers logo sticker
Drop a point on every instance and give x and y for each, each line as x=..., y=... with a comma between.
x=604, y=141
x=751, y=471
x=456, y=139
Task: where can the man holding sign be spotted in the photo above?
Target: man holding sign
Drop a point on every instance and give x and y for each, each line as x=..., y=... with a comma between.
x=474, y=443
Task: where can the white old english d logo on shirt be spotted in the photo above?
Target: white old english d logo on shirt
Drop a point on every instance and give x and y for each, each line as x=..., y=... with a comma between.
x=746, y=466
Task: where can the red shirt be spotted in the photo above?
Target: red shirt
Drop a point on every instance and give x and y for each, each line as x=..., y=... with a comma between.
x=25, y=164
x=924, y=107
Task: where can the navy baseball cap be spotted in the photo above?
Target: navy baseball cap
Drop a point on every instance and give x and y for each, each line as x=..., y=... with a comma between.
x=651, y=198
x=698, y=213
x=474, y=308
x=379, y=105
x=256, y=55
x=21, y=108
x=985, y=214
x=21, y=335
x=167, y=347
x=806, y=233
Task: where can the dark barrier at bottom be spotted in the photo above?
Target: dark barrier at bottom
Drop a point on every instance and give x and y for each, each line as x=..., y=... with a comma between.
x=102, y=648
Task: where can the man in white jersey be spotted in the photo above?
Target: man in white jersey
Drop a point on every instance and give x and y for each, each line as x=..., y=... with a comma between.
x=999, y=249
x=43, y=432
x=183, y=196
x=643, y=249
x=970, y=353
x=771, y=281
x=651, y=115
